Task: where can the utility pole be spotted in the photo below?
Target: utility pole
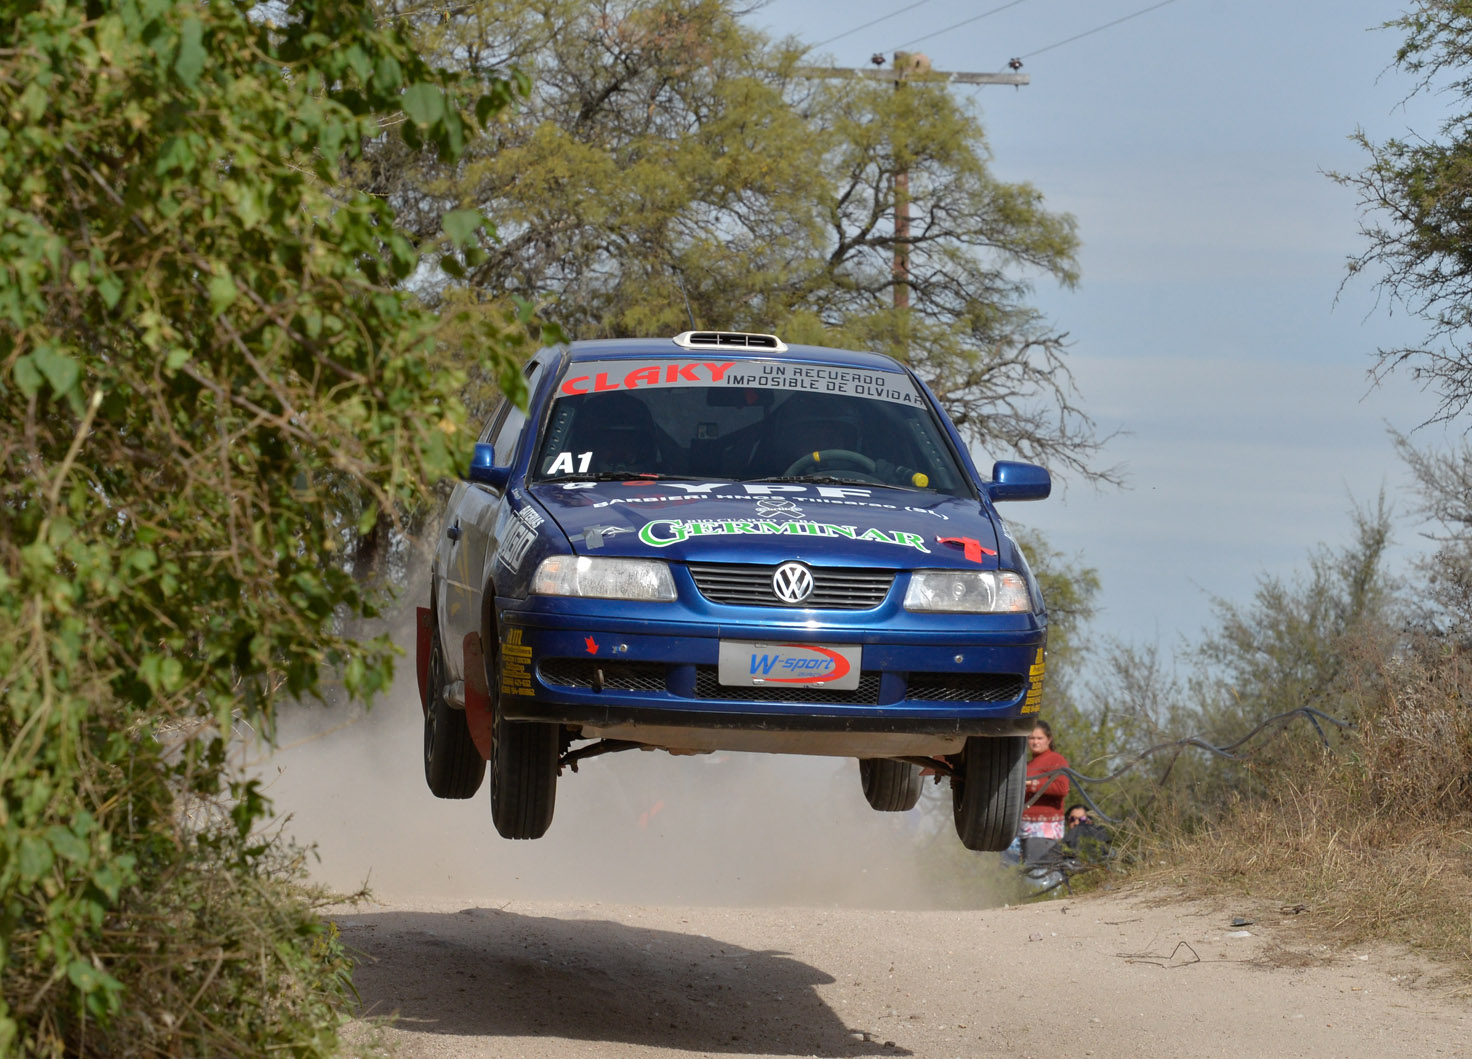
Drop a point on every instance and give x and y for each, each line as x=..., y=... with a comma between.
x=910, y=68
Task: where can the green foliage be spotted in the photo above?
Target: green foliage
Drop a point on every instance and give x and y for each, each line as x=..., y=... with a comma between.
x=1416, y=198
x=1293, y=644
x=1442, y=606
x=210, y=385
x=1070, y=590
x=1321, y=640
x=673, y=165
x=1376, y=837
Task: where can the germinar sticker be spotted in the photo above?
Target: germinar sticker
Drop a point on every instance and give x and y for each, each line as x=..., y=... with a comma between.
x=661, y=533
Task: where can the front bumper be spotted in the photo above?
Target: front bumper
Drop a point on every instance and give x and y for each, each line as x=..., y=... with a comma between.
x=614, y=674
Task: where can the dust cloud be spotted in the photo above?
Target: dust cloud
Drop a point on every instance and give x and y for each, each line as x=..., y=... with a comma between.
x=639, y=827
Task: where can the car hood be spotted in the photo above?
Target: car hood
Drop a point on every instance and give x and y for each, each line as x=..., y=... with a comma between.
x=760, y=523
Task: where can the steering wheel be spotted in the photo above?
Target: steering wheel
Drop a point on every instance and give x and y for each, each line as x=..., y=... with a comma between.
x=832, y=460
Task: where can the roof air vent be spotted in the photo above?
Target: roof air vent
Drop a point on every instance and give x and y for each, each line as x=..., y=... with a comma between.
x=728, y=340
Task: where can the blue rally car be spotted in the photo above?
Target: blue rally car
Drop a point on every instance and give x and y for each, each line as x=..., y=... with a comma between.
x=722, y=542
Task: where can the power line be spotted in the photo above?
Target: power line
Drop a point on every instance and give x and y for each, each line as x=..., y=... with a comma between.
x=907, y=69
x=875, y=22
x=958, y=25
x=1098, y=29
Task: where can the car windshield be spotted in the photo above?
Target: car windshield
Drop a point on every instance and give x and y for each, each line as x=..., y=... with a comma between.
x=745, y=420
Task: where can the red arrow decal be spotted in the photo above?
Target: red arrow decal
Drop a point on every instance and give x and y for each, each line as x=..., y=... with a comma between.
x=974, y=551
x=591, y=644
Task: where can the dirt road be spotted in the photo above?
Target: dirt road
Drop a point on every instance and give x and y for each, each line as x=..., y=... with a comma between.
x=754, y=906
x=1110, y=978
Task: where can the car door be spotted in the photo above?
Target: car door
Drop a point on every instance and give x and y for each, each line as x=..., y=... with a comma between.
x=471, y=529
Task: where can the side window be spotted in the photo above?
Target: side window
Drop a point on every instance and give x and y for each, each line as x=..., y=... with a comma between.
x=507, y=423
x=493, y=421
x=507, y=434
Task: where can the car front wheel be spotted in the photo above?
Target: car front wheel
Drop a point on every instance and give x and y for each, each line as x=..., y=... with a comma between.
x=524, y=757
x=988, y=791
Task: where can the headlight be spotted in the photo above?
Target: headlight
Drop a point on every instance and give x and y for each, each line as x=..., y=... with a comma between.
x=968, y=592
x=579, y=575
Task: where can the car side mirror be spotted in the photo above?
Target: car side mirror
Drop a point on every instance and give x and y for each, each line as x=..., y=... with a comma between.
x=483, y=469
x=1018, y=481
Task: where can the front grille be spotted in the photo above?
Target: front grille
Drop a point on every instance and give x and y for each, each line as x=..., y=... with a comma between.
x=964, y=687
x=617, y=676
x=708, y=686
x=834, y=588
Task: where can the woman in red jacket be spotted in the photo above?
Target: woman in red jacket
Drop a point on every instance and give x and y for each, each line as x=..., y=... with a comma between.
x=1042, y=817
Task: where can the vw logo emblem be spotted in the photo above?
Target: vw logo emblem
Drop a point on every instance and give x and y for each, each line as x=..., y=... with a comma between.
x=793, y=582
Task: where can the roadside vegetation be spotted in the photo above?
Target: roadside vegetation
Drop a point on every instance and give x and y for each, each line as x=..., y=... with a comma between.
x=1352, y=804
x=1364, y=824
x=210, y=375
x=1372, y=830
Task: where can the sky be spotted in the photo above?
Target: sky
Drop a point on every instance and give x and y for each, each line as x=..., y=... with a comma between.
x=1209, y=328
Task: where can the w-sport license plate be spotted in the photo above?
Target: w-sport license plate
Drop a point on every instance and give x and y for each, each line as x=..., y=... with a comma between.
x=744, y=664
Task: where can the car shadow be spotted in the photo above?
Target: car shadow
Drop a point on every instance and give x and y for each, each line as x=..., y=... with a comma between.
x=493, y=973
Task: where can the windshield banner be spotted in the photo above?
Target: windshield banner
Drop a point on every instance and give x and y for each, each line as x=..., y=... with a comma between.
x=605, y=375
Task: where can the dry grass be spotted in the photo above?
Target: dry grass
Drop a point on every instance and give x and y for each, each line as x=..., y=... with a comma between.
x=1376, y=841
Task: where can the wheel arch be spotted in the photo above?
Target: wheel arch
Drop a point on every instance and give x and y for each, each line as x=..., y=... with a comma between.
x=479, y=651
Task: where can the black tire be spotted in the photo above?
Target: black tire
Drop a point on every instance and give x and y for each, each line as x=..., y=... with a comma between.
x=453, y=767
x=524, y=777
x=989, y=791
x=890, y=786
x=524, y=768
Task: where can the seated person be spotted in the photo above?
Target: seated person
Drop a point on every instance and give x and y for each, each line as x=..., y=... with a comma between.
x=1083, y=839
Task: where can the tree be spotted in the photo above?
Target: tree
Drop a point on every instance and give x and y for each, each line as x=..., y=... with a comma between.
x=1416, y=198
x=1443, y=603
x=1302, y=641
x=674, y=166
x=210, y=382
x=1321, y=640
x=1324, y=639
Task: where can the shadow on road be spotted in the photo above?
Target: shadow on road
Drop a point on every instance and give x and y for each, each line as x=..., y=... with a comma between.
x=491, y=973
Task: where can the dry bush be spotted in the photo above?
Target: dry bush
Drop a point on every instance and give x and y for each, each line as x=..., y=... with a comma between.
x=1374, y=839
x=1417, y=749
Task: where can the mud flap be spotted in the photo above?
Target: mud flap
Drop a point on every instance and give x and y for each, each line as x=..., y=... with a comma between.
x=423, y=640
x=477, y=695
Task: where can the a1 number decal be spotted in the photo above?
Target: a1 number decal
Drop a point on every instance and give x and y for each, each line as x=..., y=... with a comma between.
x=563, y=463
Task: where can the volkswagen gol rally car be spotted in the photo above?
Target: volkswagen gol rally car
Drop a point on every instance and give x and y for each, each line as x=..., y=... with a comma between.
x=722, y=542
